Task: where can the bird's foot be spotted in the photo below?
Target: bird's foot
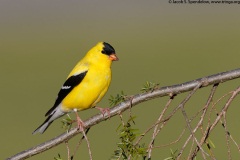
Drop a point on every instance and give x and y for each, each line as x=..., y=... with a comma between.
x=80, y=123
x=104, y=110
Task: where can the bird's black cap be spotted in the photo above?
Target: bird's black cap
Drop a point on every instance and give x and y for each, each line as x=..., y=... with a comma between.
x=108, y=49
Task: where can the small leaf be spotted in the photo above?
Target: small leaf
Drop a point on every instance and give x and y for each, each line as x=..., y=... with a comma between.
x=149, y=86
x=58, y=158
x=126, y=146
x=211, y=143
x=67, y=123
x=118, y=99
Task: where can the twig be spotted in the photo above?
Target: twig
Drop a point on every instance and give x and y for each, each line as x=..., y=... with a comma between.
x=230, y=136
x=225, y=108
x=187, y=121
x=201, y=119
x=227, y=136
x=173, y=142
x=191, y=149
x=78, y=145
x=156, y=130
x=88, y=144
x=212, y=126
x=68, y=150
x=121, y=118
x=214, y=104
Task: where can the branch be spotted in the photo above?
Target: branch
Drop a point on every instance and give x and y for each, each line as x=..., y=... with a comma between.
x=220, y=115
x=139, y=98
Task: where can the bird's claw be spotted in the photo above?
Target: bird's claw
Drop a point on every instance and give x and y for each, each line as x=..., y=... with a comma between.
x=104, y=110
x=80, y=124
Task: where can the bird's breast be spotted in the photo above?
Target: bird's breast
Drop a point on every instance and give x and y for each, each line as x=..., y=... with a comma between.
x=90, y=91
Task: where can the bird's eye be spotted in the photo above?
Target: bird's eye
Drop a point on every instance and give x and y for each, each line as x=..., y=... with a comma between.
x=103, y=51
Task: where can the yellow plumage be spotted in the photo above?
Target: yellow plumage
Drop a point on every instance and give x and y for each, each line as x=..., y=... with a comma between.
x=94, y=86
x=86, y=84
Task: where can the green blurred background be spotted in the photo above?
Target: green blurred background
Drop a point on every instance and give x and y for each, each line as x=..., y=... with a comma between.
x=40, y=42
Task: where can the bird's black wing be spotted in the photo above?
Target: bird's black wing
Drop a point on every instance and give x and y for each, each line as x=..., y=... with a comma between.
x=70, y=83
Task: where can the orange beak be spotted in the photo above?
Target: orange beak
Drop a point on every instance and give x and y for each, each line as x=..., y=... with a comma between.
x=113, y=57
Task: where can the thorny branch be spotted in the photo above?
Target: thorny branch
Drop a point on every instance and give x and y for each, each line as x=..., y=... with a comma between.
x=156, y=128
x=155, y=93
x=201, y=120
x=220, y=115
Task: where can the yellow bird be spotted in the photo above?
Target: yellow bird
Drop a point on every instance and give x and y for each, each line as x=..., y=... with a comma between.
x=85, y=86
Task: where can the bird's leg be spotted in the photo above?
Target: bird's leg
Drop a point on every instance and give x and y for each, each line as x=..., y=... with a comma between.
x=104, y=110
x=80, y=123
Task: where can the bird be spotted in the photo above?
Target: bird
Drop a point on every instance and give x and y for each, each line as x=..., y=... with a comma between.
x=85, y=86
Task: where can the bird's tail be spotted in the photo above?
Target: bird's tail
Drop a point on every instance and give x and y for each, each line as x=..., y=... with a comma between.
x=42, y=128
x=54, y=115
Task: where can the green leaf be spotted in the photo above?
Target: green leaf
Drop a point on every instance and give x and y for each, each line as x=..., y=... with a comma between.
x=117, y=99
x=211, y=143
x=58, y=158
x=149, y=86
x=67, y=123
x=126, y=147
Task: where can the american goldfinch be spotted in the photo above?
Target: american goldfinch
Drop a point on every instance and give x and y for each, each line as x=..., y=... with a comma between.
x=85, y=86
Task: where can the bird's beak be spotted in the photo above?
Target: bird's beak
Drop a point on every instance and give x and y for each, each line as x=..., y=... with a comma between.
x=113, y=57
